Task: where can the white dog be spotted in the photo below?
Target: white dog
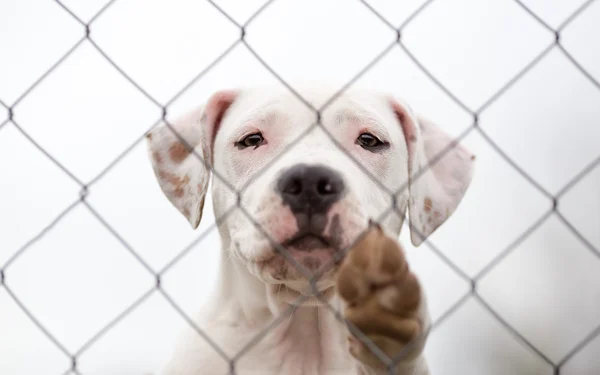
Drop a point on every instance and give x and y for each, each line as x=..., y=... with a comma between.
x=312, y=191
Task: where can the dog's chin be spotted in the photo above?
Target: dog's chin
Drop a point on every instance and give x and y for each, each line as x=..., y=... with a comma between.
x=307, y=242
x=299, y=260
x=303, y=296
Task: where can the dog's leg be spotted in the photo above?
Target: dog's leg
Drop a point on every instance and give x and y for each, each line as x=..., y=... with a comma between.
x=383, y=299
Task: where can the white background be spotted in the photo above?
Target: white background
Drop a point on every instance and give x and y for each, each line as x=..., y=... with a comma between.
x=78, y=277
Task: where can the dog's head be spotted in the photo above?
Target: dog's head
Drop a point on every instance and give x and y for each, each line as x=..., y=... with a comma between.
x=308, y=191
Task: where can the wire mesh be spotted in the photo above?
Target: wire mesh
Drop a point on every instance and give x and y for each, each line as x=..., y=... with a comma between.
x=85, y=187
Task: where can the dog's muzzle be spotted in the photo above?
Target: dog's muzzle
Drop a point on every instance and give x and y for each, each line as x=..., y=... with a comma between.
x=310, y=193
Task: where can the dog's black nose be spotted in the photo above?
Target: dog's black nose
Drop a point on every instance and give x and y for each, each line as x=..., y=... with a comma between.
x=310, y=189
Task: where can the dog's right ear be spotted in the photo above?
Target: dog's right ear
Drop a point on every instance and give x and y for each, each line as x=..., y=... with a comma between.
x=181, y=153
x=440, y=171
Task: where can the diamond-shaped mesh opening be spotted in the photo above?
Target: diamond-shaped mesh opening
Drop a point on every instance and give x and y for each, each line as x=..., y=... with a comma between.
x=82, y=32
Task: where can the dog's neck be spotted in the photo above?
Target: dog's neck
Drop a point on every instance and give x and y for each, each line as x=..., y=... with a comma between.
x=251, y=299
x=302, y=337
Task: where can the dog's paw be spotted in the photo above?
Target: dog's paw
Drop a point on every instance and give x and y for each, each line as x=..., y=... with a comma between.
x=382, y=297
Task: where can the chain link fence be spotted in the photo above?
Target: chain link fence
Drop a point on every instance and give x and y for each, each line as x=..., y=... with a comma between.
x=87, y=186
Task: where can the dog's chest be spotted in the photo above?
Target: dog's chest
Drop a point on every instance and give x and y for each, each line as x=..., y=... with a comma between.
x=311, y=342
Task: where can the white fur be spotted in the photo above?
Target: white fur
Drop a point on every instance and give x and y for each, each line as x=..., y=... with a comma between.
x=248, y=295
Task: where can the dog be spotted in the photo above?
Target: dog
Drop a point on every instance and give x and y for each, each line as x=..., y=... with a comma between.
x=300, y=189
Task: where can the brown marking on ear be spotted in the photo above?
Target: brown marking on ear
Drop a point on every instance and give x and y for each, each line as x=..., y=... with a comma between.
x=178, y=192
x=168, y=176
x=186, y=212
x=472, y=157
x=181, y=183
x=157, y=158
x=149, y=136
x=178, y=152
x=412, y=138
x=427, y=204
x=177, y=182
x=437, y=214
x=164, y=175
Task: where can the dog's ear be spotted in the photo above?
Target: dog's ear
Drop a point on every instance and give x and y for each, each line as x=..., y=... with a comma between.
x=181, y=154
x=440, y=172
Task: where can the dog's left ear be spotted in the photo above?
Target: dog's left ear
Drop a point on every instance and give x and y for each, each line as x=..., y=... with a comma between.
x=181, y=154
x=440, y=172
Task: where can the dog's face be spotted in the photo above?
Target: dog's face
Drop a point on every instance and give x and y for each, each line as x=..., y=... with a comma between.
x=306, y=191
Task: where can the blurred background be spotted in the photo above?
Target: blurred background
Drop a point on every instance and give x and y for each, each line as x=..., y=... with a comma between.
x=79, y=203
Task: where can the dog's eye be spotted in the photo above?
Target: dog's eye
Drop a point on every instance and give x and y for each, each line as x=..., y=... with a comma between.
x=366, y=141
x=251, y=140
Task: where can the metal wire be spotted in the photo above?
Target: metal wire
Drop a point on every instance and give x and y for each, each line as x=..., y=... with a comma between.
x=390, y=362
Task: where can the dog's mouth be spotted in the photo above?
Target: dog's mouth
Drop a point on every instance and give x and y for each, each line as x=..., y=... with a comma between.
x=307, y=241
